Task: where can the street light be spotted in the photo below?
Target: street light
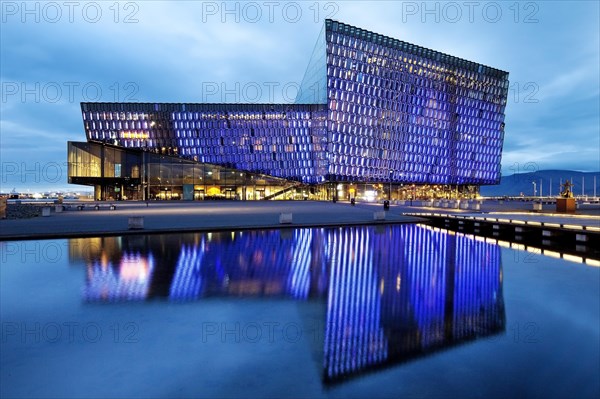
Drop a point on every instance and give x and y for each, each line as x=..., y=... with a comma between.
x=534, y=188
x=390, y=196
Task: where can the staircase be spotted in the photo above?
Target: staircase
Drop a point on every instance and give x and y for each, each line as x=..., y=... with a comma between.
x=281, y=192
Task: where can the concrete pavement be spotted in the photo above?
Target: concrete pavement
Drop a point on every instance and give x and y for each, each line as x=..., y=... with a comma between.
x=228, y=215
x=193, y=216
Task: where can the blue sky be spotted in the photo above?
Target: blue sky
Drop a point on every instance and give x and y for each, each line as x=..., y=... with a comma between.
x=55, y=55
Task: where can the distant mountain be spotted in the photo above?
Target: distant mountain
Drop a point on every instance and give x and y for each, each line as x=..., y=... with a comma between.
x=518, y=183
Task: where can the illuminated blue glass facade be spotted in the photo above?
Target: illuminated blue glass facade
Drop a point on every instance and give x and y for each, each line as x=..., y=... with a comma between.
x=408, y=114
x=284, y=141
x=370, y=109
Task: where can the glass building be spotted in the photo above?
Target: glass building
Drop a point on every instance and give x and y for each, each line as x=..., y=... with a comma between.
x=374, y=116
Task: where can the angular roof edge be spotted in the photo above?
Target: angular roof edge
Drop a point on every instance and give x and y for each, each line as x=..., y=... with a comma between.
x=166, y=106
x=391, y=42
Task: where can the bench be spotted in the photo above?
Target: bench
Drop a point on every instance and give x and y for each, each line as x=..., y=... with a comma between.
x=135, y=222
x=379, y=215
x=285, y=218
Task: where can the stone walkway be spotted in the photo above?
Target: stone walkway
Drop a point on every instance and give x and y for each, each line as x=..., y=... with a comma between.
x=229, y=215
x=193, y=216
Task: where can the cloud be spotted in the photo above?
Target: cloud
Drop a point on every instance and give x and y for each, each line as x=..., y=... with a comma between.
x=578, y=81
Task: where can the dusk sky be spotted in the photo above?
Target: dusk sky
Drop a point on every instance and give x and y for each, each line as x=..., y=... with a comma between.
x=56, y=55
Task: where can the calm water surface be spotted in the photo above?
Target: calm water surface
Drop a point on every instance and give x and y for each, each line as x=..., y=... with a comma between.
x=385, y=311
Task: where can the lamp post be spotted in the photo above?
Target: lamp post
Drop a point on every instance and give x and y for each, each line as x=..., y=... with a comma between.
x=390, y=195
x=534, y=188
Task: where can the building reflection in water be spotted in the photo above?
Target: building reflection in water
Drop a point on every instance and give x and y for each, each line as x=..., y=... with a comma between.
x=129, y=279
x=250, y=263
x=114, y=273
x=412, y=290
x=392, y=292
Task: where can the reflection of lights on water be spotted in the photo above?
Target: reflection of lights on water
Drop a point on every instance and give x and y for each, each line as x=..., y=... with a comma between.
x=520, y=247
x=552, y=254
x=187, y=281
x=374, y=283
x=299, y=278
x=130, y=282
x=572, y=258
x=134, y=268
x=398, y=290
x=104, y=263
x=592, y=262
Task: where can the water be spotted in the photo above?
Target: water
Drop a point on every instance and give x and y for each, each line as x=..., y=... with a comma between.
x=373, y=311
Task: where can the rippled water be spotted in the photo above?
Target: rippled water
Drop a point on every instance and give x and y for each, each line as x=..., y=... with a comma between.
x=296, y=312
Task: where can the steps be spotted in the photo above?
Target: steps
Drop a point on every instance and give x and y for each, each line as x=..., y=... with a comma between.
x=281, y=192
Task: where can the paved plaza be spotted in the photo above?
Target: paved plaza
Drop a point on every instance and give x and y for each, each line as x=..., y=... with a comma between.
x=193, y=216
x=228, y=215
